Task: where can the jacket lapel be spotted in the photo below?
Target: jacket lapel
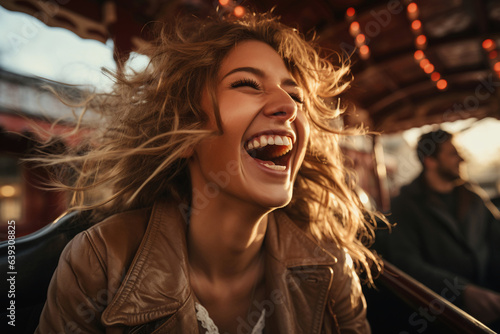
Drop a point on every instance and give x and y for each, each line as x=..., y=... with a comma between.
x=298, y=278
x=155, y=286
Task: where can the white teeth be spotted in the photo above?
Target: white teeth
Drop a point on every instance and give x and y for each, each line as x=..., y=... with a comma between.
x=263, y=141
x=256, y=143
x=275, y=167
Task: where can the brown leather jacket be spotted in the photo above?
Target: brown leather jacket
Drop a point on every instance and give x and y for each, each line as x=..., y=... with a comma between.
x=129, y=274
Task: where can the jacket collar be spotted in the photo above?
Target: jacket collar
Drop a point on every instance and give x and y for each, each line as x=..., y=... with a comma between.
x=291, y=246
x=299, y=275
x=155, y=284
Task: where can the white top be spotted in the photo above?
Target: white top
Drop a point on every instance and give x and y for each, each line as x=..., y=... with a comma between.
x=207, y=323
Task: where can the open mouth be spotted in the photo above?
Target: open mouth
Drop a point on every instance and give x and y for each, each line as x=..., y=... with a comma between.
x=272, y=151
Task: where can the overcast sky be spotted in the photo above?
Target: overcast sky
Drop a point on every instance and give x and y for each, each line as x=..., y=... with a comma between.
x=29, y=47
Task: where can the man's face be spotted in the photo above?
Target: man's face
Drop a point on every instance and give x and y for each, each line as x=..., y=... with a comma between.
x=448, y=162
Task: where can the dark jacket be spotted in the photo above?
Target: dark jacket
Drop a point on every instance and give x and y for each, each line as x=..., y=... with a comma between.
x=129, y=274
x=442, y=249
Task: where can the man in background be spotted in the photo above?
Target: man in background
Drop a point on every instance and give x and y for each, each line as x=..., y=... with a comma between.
x=446, y=237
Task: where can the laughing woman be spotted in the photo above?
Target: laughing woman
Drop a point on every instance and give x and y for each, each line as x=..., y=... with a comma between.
x=230, y=209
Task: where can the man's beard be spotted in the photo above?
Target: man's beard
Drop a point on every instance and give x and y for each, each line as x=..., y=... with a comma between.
x=447, y=174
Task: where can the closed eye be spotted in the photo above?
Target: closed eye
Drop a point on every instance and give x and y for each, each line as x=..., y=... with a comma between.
x=296, y=97
x=246, y=83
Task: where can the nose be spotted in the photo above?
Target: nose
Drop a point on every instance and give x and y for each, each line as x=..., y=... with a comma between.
x=281, y=106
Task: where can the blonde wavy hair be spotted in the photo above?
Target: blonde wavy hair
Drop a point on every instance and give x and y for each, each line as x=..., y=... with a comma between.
x=136, y=153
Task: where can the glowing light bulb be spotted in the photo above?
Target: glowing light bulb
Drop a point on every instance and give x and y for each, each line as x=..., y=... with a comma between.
x=354, y=28
x=364, y=52
x=412, y=11
x=488, y=44
x=239, y=11
x=429, y=68
x=435, y=76
x=424, y=63
x=442, y=84
x=360, y=39
x=416, y=25
x=419, y=54
x=421, y=40
x=412, y=8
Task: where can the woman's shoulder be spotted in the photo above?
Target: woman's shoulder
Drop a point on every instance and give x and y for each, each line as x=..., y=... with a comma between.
x=91, y=268
x=127, y=224
x=107, y=247
x=111, y=242
x=119, y=234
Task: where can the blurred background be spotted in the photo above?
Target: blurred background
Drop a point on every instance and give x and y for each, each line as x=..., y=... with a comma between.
x=417, y=65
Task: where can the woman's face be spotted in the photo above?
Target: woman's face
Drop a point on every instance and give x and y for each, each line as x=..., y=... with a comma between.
x=265, y=131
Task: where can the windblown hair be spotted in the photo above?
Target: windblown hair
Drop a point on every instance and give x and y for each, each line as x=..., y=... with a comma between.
x=153, y=117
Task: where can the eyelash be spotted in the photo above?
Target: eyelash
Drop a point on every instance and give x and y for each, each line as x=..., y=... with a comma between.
x=246, y=82
x=296, y=98
x=255, y=85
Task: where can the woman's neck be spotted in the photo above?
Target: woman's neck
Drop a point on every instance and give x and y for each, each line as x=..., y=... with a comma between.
x=225, y=240
x=226, y=260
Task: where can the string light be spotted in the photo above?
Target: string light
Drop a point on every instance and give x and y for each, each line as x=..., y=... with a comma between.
x=354, y=28
x=429, y=68
x=442, y=84
x=490, y=47
x=419, y=54
x=231, y=7
x=360, y=39
x=412, y=8
x=364, y=52
x=421, y=41
x=435, y=76
x=239, y=11
x=488, y=44
x=421, y=44
x=350, y=12
x=424, y=63
x=355, y=31
x=416, y=25
x=412, y=11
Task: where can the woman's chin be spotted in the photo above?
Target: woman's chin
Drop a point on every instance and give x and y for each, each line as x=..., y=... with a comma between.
x=274, y=200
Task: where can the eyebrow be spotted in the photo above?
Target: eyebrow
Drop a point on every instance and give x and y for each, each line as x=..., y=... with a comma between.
x=286, y=82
